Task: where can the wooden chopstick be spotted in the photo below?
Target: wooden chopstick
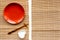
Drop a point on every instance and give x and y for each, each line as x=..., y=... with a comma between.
x=25, y=25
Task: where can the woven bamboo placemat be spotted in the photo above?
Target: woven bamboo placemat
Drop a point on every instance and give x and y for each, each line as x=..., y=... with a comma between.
x=6, y=27
x=46, y=19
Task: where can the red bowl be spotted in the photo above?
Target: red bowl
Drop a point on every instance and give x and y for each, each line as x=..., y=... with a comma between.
x=14, y=13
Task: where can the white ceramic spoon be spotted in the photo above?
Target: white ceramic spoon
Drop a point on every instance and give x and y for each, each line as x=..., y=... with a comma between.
x=22, y=33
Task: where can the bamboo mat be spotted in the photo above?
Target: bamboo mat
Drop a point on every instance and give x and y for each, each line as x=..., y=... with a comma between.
x=46, y=19
x=6, y=27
